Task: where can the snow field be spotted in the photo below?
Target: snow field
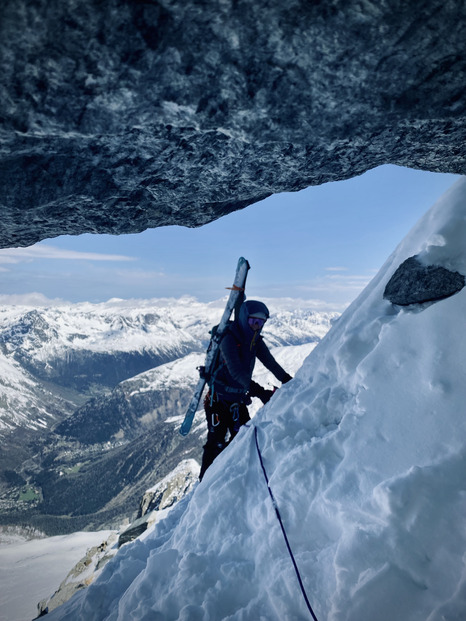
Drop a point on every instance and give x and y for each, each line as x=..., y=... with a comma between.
x=30, y=571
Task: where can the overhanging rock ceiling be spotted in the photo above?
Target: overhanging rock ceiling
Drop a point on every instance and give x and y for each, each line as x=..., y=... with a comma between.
x=117, y=116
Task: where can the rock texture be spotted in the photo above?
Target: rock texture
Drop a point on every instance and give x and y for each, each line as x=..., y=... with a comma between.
x=81, y=575
x=164, y=495
x=117, y=116
x=415, y=283
x=155, y=502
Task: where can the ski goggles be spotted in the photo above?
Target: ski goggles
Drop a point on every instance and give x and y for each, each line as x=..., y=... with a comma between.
x=256, y=323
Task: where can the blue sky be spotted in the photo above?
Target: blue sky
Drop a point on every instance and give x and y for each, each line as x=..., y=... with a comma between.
x=323, y=243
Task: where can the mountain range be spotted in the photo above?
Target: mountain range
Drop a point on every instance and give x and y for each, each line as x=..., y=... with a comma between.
x=91, y=397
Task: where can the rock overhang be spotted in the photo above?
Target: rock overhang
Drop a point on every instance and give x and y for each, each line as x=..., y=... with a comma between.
x=120, y=116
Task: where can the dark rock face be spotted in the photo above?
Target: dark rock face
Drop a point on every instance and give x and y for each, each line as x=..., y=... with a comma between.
x=162, y=496
x=415, y=283
x=118, y=414
x=121, y=115
x=87, y=371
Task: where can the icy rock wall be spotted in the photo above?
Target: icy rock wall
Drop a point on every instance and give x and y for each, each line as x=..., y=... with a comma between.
x=118, y=116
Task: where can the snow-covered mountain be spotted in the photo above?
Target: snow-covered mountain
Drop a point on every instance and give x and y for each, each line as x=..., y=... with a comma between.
x=52, y=359
x=72, y=352
x=83, y=446
x=365, y=456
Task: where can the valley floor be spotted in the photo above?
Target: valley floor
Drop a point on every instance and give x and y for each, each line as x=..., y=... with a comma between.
x=31, y=571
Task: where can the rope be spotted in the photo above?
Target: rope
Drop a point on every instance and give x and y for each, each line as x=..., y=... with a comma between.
x=275, y=506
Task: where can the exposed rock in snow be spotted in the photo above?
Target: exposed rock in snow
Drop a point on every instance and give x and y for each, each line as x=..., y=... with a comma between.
x=32, y=569
x=82, y=574
x=171, y=489
x=415, y=283
x=118, y=116
x=155, y=505
x=160, y=498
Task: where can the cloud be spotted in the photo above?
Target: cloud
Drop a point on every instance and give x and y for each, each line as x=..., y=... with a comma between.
x=44, y=251
x=30, y=299
x=336, y=269
x=347, y=281
x=337, y=285
x=139, y=275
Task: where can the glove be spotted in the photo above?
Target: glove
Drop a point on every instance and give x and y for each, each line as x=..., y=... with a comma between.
x=266, y=395
x=255, y=390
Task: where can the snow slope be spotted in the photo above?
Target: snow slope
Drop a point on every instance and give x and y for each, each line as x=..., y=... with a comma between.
x=365, y=453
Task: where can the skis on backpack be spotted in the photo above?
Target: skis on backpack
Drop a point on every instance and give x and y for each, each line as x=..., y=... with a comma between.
x=212, y=352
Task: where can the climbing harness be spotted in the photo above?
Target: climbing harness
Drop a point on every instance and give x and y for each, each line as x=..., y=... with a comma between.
x=275, y=506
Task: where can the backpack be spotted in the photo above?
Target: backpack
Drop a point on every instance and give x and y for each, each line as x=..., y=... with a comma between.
x=209, y=374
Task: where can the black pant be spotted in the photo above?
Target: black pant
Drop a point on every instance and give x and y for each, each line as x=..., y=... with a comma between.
x=222, y=417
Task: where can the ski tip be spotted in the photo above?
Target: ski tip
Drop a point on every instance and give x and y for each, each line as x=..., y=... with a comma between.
x=184, y=429
x=186, y=425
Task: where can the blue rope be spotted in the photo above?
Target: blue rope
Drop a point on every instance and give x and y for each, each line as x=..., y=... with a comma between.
x=275, y=506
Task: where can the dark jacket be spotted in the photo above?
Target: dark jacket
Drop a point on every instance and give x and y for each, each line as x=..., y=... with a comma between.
x=239, y=348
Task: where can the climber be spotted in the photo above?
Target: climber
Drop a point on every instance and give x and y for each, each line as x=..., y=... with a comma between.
x=231, y=386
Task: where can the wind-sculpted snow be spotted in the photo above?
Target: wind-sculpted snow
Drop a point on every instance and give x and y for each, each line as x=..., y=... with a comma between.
x=365, y=454
x=119, y=116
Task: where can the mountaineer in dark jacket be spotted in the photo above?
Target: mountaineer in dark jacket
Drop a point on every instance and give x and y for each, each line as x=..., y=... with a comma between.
x=231, y=386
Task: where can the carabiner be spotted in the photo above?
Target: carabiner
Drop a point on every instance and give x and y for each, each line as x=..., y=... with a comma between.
x=234, y=409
